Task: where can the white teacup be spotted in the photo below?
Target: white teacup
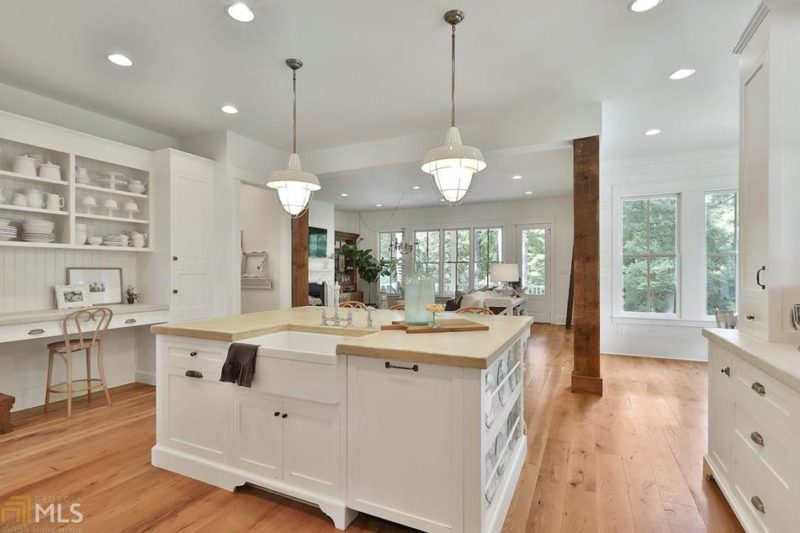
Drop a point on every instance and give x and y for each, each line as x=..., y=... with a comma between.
x=20, y=200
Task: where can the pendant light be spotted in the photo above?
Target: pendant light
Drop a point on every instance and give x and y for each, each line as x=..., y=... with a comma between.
x=293, y=186
x=454, y=165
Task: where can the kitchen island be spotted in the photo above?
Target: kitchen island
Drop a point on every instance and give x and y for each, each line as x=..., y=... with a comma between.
x=420, y=429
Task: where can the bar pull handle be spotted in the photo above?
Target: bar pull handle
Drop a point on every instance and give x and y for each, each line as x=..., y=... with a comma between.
x=759, y=388
x=130, y=321
x=414, y=368
x=37, y=331
x=194, y=374
x=757, y=438
x=757, y=503
x=758, y=277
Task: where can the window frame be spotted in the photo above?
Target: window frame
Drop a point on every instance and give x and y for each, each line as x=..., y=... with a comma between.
x=444, y=262
x=650, y=256
x=397, y=256
x=706, y=253
x=473, y=252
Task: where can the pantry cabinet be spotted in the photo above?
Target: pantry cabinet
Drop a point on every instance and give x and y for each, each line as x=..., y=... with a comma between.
x=769, y=171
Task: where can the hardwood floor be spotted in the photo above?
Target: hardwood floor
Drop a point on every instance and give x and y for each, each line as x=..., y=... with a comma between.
x=629, y=461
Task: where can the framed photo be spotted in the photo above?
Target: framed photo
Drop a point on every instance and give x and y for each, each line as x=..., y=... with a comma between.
x=103, y=285
x=72, y=296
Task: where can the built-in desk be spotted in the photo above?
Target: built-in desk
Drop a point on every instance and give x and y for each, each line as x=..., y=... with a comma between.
x=27, y=325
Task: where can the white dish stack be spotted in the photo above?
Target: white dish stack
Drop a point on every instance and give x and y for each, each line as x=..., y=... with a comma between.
x=7, y=231
x=115, y=240
x=38, y=230
x=81, y=234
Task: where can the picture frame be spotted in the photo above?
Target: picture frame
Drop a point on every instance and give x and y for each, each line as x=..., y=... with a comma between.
x=103, y=284
x=72, y=296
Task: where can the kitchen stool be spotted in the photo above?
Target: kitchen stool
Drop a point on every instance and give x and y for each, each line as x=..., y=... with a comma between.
x=75, y=340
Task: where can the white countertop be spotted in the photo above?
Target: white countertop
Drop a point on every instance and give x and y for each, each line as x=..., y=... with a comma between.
x=44, y=315
x=779, y=360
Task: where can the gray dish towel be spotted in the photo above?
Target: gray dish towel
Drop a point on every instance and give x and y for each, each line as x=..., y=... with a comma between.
x=240, y=365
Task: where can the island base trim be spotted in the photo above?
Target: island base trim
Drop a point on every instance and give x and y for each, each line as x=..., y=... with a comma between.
x=229, y=478
x=710, y=473
x=589, y=384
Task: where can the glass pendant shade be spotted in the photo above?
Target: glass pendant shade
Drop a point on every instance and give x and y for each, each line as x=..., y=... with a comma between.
x=453, y=167
x=294, y=186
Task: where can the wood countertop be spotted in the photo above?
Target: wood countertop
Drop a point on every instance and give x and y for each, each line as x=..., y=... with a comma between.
x=43, y=315
x=779, y=360
x=473, y=349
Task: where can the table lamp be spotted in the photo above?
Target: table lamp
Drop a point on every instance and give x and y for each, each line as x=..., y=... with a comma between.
x=505, y=273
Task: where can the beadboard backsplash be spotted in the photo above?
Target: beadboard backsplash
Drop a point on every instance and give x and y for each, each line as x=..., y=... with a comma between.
x=28, y=275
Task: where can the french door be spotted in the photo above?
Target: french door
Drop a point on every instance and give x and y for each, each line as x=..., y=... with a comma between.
x=535, y=266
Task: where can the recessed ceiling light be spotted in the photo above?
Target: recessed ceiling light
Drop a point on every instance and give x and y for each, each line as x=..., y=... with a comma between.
x=240, y=12
x=416, y=187
x=516, y=177
x=378, y=205
x=682, y=74
x=229, y=109
x=528, y=193
x=654, y=131
x=640, y=6
x=344, y=195
x=120, y=60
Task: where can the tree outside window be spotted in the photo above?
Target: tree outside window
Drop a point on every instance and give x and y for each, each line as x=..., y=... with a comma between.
x=456, y=261
x=488, y=249
x=721, y=250
x=427, y=254
x=649, y=254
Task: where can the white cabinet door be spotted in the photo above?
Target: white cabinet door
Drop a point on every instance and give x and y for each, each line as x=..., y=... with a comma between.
x=191, y=294
x=311, y=449
x=198, y=413
x=405, y=443
x=720, y=409
x=257, y=435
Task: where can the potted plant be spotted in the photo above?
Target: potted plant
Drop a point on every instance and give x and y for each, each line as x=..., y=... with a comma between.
x=369, y=268
x=132, y=294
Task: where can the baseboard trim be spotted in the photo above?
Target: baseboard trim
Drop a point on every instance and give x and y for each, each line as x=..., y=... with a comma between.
x=148, y=378
x=590, y=384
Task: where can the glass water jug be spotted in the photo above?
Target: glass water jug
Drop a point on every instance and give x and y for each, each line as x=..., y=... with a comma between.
x=419, y=293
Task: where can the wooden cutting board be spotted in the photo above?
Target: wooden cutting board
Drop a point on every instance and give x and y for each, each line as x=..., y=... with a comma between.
x=450, y=325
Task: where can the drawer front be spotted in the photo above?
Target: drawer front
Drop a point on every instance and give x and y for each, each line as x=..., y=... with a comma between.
x=304, y=380
x=138, y=319
x=752, y=316
x=33, y=330
x=767, y=397
x=762, y=497
x=763, y=442
x=192, y=357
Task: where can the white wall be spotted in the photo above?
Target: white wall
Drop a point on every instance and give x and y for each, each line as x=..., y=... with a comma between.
x=679, y=339
x=556, y=211
x=322, y=215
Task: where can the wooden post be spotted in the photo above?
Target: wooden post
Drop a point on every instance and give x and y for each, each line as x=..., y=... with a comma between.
x=300, y=261
x=6, y=403
x=586, y=264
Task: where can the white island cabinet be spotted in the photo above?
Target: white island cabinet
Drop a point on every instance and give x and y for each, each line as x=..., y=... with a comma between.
x=426, y=432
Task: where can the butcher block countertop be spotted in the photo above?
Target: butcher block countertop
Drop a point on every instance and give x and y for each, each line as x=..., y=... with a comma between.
x=472, y=349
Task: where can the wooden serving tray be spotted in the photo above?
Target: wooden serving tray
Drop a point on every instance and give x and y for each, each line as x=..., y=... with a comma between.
x=450, y=325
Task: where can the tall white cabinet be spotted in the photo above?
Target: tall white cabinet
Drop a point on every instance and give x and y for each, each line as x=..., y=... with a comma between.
x=186, y=187
x=769, y=183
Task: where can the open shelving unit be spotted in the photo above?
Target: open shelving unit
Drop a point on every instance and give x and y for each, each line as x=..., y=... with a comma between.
x=99, y=221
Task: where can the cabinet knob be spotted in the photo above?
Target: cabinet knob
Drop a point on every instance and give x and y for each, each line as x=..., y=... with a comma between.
x=277, y=413
x=757, y=503
x=726, y=371
x=192, y=354
x=757, y=438
x=174, y=257
x=759, y=388
x=750, y=317
x=174, y=291
x=284, y=415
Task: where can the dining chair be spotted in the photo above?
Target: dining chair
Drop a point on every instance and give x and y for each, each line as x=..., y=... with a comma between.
x=397, y=307
x=352, y=304
x=475, y=311
x=83, y=330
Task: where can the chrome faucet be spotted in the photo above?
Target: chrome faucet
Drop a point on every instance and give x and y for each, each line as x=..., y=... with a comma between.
x=370, y=310
x=335, y=321
x=349, y=318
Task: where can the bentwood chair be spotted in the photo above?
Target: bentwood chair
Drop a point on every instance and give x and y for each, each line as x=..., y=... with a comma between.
x=352, y=304
x=397, y=307
x=83, y=331
x=474, y=311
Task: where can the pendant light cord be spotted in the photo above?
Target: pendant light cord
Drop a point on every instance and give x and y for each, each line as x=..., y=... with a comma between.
x=453, y=78
x=294, y=111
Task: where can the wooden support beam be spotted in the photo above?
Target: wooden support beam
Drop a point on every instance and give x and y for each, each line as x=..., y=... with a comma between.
x=300, y=261
x=586, y=264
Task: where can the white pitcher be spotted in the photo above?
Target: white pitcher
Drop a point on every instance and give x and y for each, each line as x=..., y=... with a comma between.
x=34, y=198
x=54, y=202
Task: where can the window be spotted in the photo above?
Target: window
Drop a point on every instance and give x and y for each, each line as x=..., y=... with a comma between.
x=488, y=245
x=456, y=261
x=721, y=249
x=534, y=263
x=386, y=250
x=649, y=254
x=427, y=254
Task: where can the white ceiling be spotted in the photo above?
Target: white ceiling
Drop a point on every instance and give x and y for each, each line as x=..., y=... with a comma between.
x=546, y=174
x=381, y=69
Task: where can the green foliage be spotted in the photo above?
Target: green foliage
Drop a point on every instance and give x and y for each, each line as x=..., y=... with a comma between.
x=369, y=268
x=721, y=251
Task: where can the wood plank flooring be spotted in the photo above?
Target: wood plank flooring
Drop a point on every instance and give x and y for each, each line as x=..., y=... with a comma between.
x=629, y=461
